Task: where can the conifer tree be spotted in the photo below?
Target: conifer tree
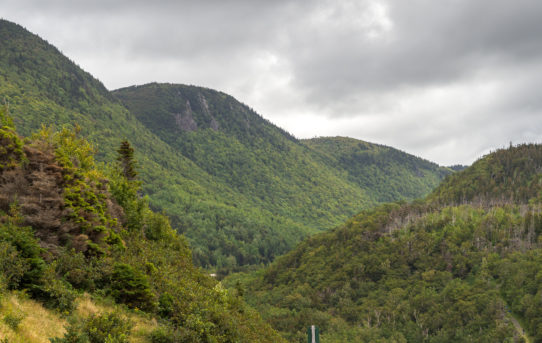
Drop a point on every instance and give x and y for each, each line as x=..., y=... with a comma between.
x=126, y=159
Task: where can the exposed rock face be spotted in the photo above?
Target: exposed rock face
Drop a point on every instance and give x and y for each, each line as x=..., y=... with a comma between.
x=213, y=124
x=185, y=120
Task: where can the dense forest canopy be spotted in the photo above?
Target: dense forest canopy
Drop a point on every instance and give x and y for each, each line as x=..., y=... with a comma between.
x=460, y=265
x=241, y=189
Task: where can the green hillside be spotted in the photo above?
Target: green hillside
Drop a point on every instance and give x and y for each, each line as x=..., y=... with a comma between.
x=240, y=189
x=72, y=232
x=507, y=175
x=426, y=271
x=42, y=87
x=241, y=149
x=385, y=173
x=265, y=166
x=290, y=178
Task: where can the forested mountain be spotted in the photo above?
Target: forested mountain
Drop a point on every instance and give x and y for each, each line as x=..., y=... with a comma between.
x=462, y=265
x=385, y=173
x=288, y=187
x=92, y=262
x=241, y=189
x=241, y=149
x=298, y=180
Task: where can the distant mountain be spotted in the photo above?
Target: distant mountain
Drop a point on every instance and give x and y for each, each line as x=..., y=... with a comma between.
x=385, y=173
x=304, y=181
x=461, y=265
x=241, y=189
x=238, y=148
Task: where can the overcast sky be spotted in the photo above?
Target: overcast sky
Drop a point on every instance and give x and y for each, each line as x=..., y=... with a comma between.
x=447, y=80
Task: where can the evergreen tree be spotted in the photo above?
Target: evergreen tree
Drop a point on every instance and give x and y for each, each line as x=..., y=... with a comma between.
x=126, y=159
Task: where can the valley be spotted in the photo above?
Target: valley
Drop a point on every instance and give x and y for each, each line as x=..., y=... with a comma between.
x=170, y=213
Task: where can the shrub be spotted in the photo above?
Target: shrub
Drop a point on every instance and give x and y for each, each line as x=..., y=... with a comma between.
x=12, y=266
x=109, y=327
x=22, y=265
x=165, y=305
x=55, y=293
x=165, y=335
x=13, y=320
x=157, y=226
x=104, y=328
x=131, y=287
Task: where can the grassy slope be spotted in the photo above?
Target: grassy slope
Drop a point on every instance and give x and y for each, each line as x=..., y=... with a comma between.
x=421, y=271
x=39, y=323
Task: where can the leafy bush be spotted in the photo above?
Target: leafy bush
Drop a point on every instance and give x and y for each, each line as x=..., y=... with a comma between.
x=12, y=266
x=157, y=227
x=131, y=287
x=165, y=305
x=104, y=328
x=54, y=292
x=11, y=152
x=13, y=320
x=165, y=335
x=20, y=253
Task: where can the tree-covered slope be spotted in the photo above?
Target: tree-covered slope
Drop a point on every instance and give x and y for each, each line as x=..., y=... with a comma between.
x=426, y=271
x=387, y=174
x=241, y=190
x=43, y=87
x=69, y=227
x=299, y=180
x=507, y=175
x=241, y=149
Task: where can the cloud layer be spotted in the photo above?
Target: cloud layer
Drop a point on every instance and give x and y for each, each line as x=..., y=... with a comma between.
x=446, y=80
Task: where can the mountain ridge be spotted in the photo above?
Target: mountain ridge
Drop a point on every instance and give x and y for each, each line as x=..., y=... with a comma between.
x=451, y=267
x=242, y=194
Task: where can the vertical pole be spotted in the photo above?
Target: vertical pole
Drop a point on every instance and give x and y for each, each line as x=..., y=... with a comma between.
x=313, y=334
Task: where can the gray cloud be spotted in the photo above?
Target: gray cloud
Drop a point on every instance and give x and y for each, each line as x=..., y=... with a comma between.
x=446, y=80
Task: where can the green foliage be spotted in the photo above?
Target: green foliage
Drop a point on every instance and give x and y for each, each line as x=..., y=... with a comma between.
x=104, y=328
x=165, y=304
x=422, y=271
x=131, y=287
x=385, y=173
x=392, y=273
x=279, y=189
x=86, y=273
x=241, y=189
x=165, y=335
x=519, y=276
x=126, y=159
x=5, y=118
x=122, y=249
x=11, y=152
x=22, y=265
x=12, y=266
x=13, y=320
x=507, y=175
